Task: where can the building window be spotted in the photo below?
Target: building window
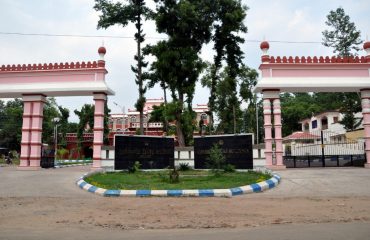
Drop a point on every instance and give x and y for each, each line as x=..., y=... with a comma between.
x=335, y=119
x=203, y=116
x=133, y=119
x=306, y=127
x=324, y=123
x=314, y=124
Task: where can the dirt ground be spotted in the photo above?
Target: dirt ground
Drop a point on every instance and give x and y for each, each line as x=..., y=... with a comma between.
x=170, y=213
x=50, y=199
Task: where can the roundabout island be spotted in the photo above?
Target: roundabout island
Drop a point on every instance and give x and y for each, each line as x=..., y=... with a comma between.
x=192, y=183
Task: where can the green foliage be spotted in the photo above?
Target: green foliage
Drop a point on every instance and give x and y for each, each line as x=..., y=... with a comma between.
x=216, y=161
x=184, y=167
x=350, y=122
x=11, y=114
x=164, y=113
x=157, y=180
x=174, y=175
x=86, y=116
x=133, y=12
x=229, y=168
x=343, y=36
x=61, y=153
x=188, y=125
x=188, y=25
x=134, y=167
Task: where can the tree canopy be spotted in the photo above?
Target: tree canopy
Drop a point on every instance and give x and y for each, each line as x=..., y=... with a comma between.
x=343, y=35
x=135, y=11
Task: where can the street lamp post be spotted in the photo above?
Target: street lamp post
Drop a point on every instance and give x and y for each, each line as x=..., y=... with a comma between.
x=55, y=120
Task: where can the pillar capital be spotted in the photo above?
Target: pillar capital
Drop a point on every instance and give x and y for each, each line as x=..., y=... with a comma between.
x=100, y=96
x=271, y=93
x=34, y=98
x=365, y=93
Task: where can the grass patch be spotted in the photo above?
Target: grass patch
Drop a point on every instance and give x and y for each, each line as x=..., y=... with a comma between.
x=15, y=161
x=188, y=180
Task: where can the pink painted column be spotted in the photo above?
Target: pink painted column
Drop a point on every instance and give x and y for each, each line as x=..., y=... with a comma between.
x=26, y=135
x=32, y=132
x=99, y=99
x=365, y=96
x=268, y=131
x=278, y=133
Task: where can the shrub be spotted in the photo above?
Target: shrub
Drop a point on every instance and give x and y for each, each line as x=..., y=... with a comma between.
x=216, y=160
x=229, y=168
x=174, y=176
x=184, y=167
x=135, y=167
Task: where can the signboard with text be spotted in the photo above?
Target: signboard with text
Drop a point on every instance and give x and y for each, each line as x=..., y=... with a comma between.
x=237, y=149
x=150, y=152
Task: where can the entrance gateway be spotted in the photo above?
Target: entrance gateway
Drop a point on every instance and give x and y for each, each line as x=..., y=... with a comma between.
x=33, y=83
x=309, y=74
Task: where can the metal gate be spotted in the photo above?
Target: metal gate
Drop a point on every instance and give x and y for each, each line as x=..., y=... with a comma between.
x=322, y=149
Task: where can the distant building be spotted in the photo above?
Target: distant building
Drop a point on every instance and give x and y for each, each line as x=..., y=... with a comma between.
x=325, y=127
x=129, y=123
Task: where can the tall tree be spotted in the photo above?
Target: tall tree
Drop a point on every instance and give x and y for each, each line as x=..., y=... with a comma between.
x=228, y=24
x=11, y=124
x=86, y=121
x=135, y=11
x=188, y=25
x=343, y=36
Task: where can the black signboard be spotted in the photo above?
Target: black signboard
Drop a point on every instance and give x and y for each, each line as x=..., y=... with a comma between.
x=237, y=150
x=150, y=152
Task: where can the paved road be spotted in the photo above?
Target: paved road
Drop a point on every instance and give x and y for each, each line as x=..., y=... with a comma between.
x=67, y=212
x=323, y=231
x=323, y=182
x=315, y=182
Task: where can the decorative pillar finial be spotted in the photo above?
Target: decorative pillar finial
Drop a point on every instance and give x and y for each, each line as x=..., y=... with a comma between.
x=265, y=56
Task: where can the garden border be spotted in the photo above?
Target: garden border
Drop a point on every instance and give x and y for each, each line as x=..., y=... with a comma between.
x=252, y=188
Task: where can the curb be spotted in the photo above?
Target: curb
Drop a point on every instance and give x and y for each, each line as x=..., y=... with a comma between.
x=253, y=188
x=72, y=165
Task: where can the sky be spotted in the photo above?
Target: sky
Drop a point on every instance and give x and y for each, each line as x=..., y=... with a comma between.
x=272, y=20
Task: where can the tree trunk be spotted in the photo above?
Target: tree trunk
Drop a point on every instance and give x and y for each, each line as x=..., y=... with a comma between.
x=234, y=119
x=180, y=134
x=165, y=123
x=139, y=74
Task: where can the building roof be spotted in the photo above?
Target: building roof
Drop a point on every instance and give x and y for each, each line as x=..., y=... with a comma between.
x=301, y=135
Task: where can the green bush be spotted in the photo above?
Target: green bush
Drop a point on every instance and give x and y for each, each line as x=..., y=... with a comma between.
x=135, y=167
x=229, y=168
x=184, y=167
x=216, y=160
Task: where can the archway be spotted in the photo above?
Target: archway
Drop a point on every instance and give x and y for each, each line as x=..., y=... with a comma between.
x=33, y=83
x=311, y=74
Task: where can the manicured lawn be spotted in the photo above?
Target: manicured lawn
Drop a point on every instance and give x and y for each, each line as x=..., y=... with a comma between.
x=188, y=180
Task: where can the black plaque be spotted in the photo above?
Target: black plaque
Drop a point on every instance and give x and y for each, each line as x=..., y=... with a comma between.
x=237, y=150
x=150, y=152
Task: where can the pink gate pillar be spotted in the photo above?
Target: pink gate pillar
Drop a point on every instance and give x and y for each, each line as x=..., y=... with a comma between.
x=268, y=131
x=31, y=132
x=99, y=99
x=278, y=134
x=272, y=96
x=365, y=96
